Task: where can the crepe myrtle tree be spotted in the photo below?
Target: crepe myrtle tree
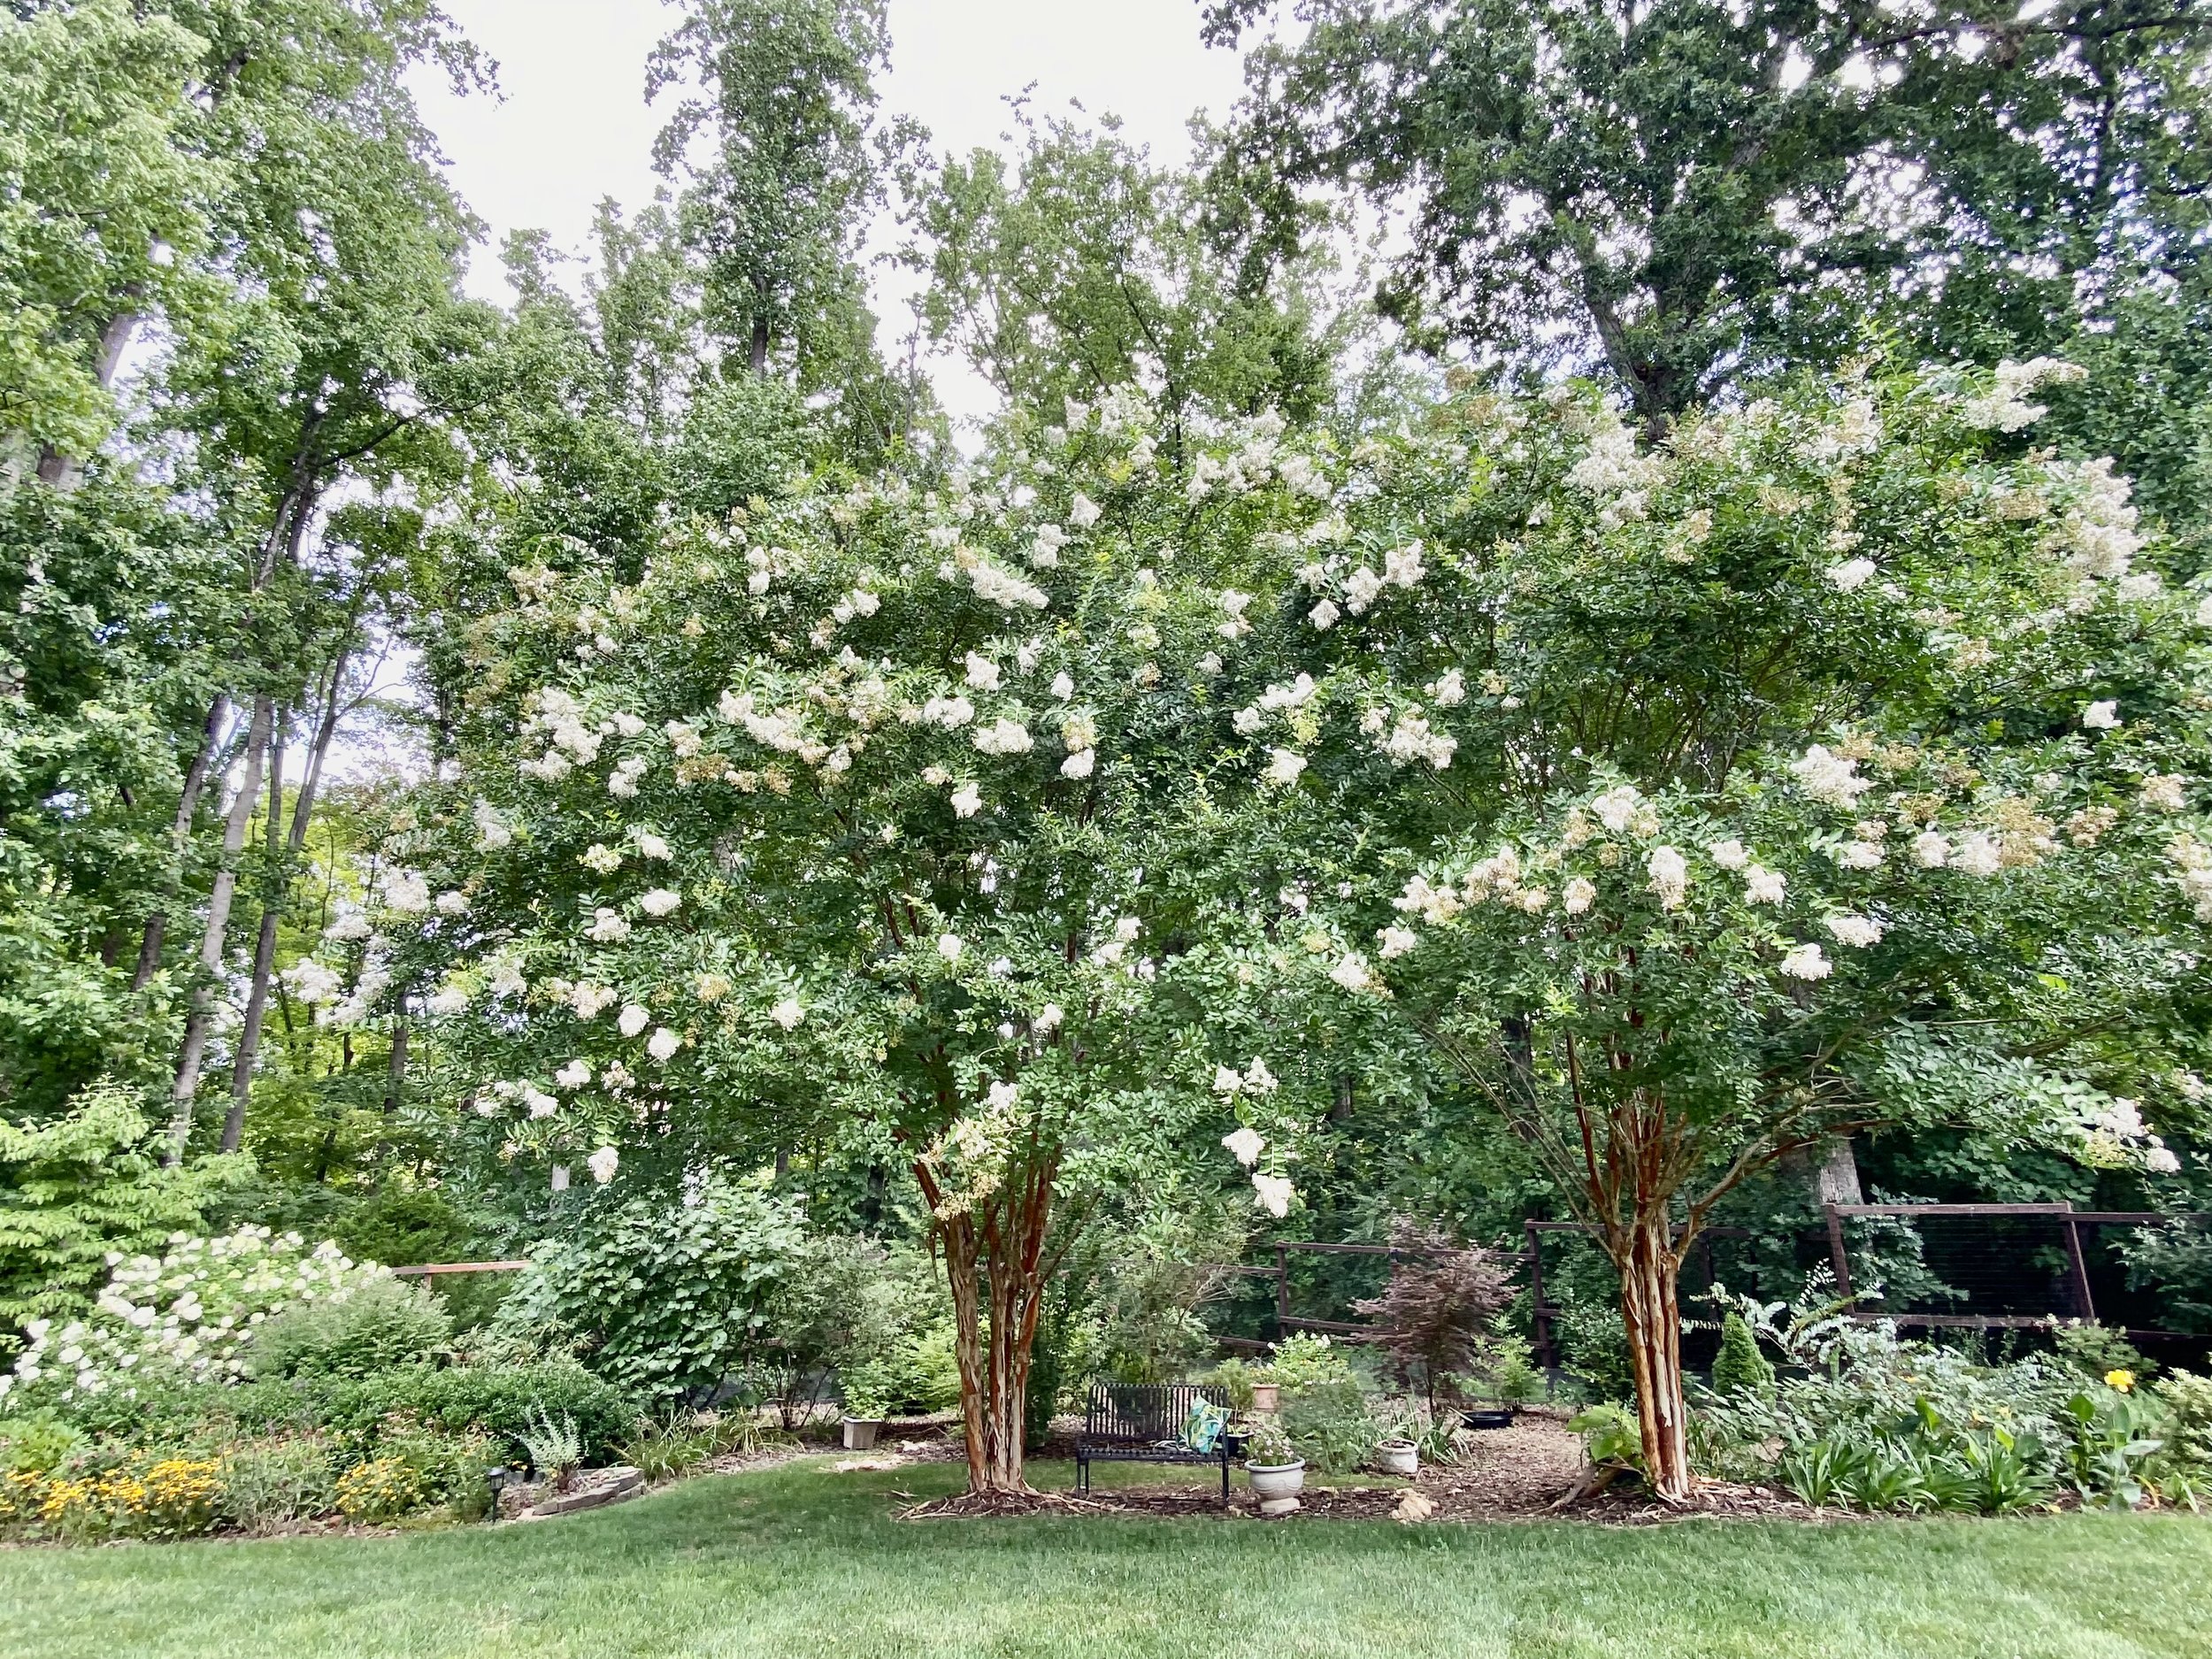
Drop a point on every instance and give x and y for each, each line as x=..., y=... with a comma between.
x=1837, y=763
x=892, y=808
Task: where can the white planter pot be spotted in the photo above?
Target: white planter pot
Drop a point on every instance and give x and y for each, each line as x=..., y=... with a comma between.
x=1398, y=1457
x=1276, y=1480
x=860, y=1433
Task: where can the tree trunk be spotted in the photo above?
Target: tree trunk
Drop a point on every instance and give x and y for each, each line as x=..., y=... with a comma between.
x=1649, y=1260
x=188, y=805
x=65, y=471
x=995, y=1253
x=272, y=911
x=201, y=1017
x=264, y=949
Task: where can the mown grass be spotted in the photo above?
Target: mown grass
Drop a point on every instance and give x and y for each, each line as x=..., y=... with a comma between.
x=800, y=1561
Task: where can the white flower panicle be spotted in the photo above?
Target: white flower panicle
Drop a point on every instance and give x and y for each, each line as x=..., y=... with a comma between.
x=633, y=1018
x=660, y=902
x=1859, y=931
x=1284, y=765
x=1830, y=777
x=602, y=1164
x=663, y=1044
x=1273, y=1194
x=1669, y=874
x=1245, y=1145
x=1805, y=961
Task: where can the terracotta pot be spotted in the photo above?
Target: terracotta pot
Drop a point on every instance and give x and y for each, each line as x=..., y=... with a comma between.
x=1398, y=1457
x=1271, y=1481
x=1267, y=1396
x=860, y=1433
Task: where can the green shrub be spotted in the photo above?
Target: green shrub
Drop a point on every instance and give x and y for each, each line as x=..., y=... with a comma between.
x=36, y=1443
x=381, y=1325
x=404, y=1227
x=672, y=1299
x=452, y=1466
x=272, y=1483
x=660, y=1451
x=2091, y=1351
x=1303, y=1361
x=1331, y=1425
x=1234, y=1377
x=498, y=1400
x=1596, y=1346
x=1739, y=1368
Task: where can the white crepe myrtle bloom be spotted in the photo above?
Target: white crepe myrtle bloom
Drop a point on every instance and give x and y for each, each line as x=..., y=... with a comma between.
x=1829, y=777
x=1273, y=1194
x=1806, y=962
x=1323, y=616
x=2159, y=1160
x=787, y=1013
x=1859, y=931
x=1449, y=690
x=575, y=1074
x=1579, y=895
x=1050, y=1017
x=1248, y=721
x=1003, y=736
x=1729, y=855
x=406, y=892
x=1977, y=855
x=633, y=1018
x=1617, y=806
x=1670, y=876
x=983, y=673
x=1227, y=1079
x=2164, y=794
x=492, y=830
x=652, y=846
x=608, y=927
x=949, y=945
x=600, y=858
x=663, y=1044
x=1396, y=941
x=1352, y=973
x=602, y=1164
x=539, y=1103
x=1762, y=886
x=1062, y=687
x=2102, y=716
x=1083, y=512
x=967, y=801
x=1284, y=765
x=1860, y=854
x=1402, y=566
x=1245, y=1145
x=1931, y=850
x=1080, y=764
x=450, y=999
x=660, y=902
x=313, y=982
x=1850, y=575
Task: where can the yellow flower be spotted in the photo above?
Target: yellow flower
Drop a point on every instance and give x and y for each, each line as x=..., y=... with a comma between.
x=2122, y=1381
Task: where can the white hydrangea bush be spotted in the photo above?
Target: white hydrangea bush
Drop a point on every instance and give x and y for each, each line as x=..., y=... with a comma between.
x=188, y=1314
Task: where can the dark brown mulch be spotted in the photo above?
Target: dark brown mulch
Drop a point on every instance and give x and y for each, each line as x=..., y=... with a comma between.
x=1531, y=1470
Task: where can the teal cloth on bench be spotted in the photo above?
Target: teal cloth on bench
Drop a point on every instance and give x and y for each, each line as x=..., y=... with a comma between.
x=1201, y=1430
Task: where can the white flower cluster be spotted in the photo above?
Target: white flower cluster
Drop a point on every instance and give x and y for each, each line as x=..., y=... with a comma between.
x=1412, y=738
x=188, y=1314
x=1829, y=777
x=2005, y=408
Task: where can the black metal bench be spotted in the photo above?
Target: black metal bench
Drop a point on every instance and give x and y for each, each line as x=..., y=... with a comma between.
x=1142, y=1422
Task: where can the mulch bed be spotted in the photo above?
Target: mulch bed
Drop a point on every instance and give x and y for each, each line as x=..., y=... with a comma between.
x=1531, y=1470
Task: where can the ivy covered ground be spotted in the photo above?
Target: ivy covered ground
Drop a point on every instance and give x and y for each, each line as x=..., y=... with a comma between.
x=801, y=1560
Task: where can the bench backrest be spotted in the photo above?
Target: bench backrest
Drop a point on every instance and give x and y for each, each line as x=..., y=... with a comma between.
x=1141, y=1412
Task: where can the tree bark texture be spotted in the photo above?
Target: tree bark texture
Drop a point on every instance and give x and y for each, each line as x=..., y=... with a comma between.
x=994, y=1257
x=188, y=805
x=201, y=1018
x=1650, y=1263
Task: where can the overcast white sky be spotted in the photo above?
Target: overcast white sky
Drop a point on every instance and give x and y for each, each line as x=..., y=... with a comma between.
x=571, y=125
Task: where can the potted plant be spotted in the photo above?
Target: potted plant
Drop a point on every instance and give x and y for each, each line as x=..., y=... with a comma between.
x=1267, y=1396
x=1272, y=1463
x=1512, y=1379
x=867, y=1403
x=1398, y=1456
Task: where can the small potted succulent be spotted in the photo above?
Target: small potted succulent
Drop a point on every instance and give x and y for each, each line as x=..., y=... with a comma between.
x=1272, y=1464
x=867, y=1403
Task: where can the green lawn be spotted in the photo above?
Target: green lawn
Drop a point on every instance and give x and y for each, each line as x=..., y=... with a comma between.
x=801, y=1562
